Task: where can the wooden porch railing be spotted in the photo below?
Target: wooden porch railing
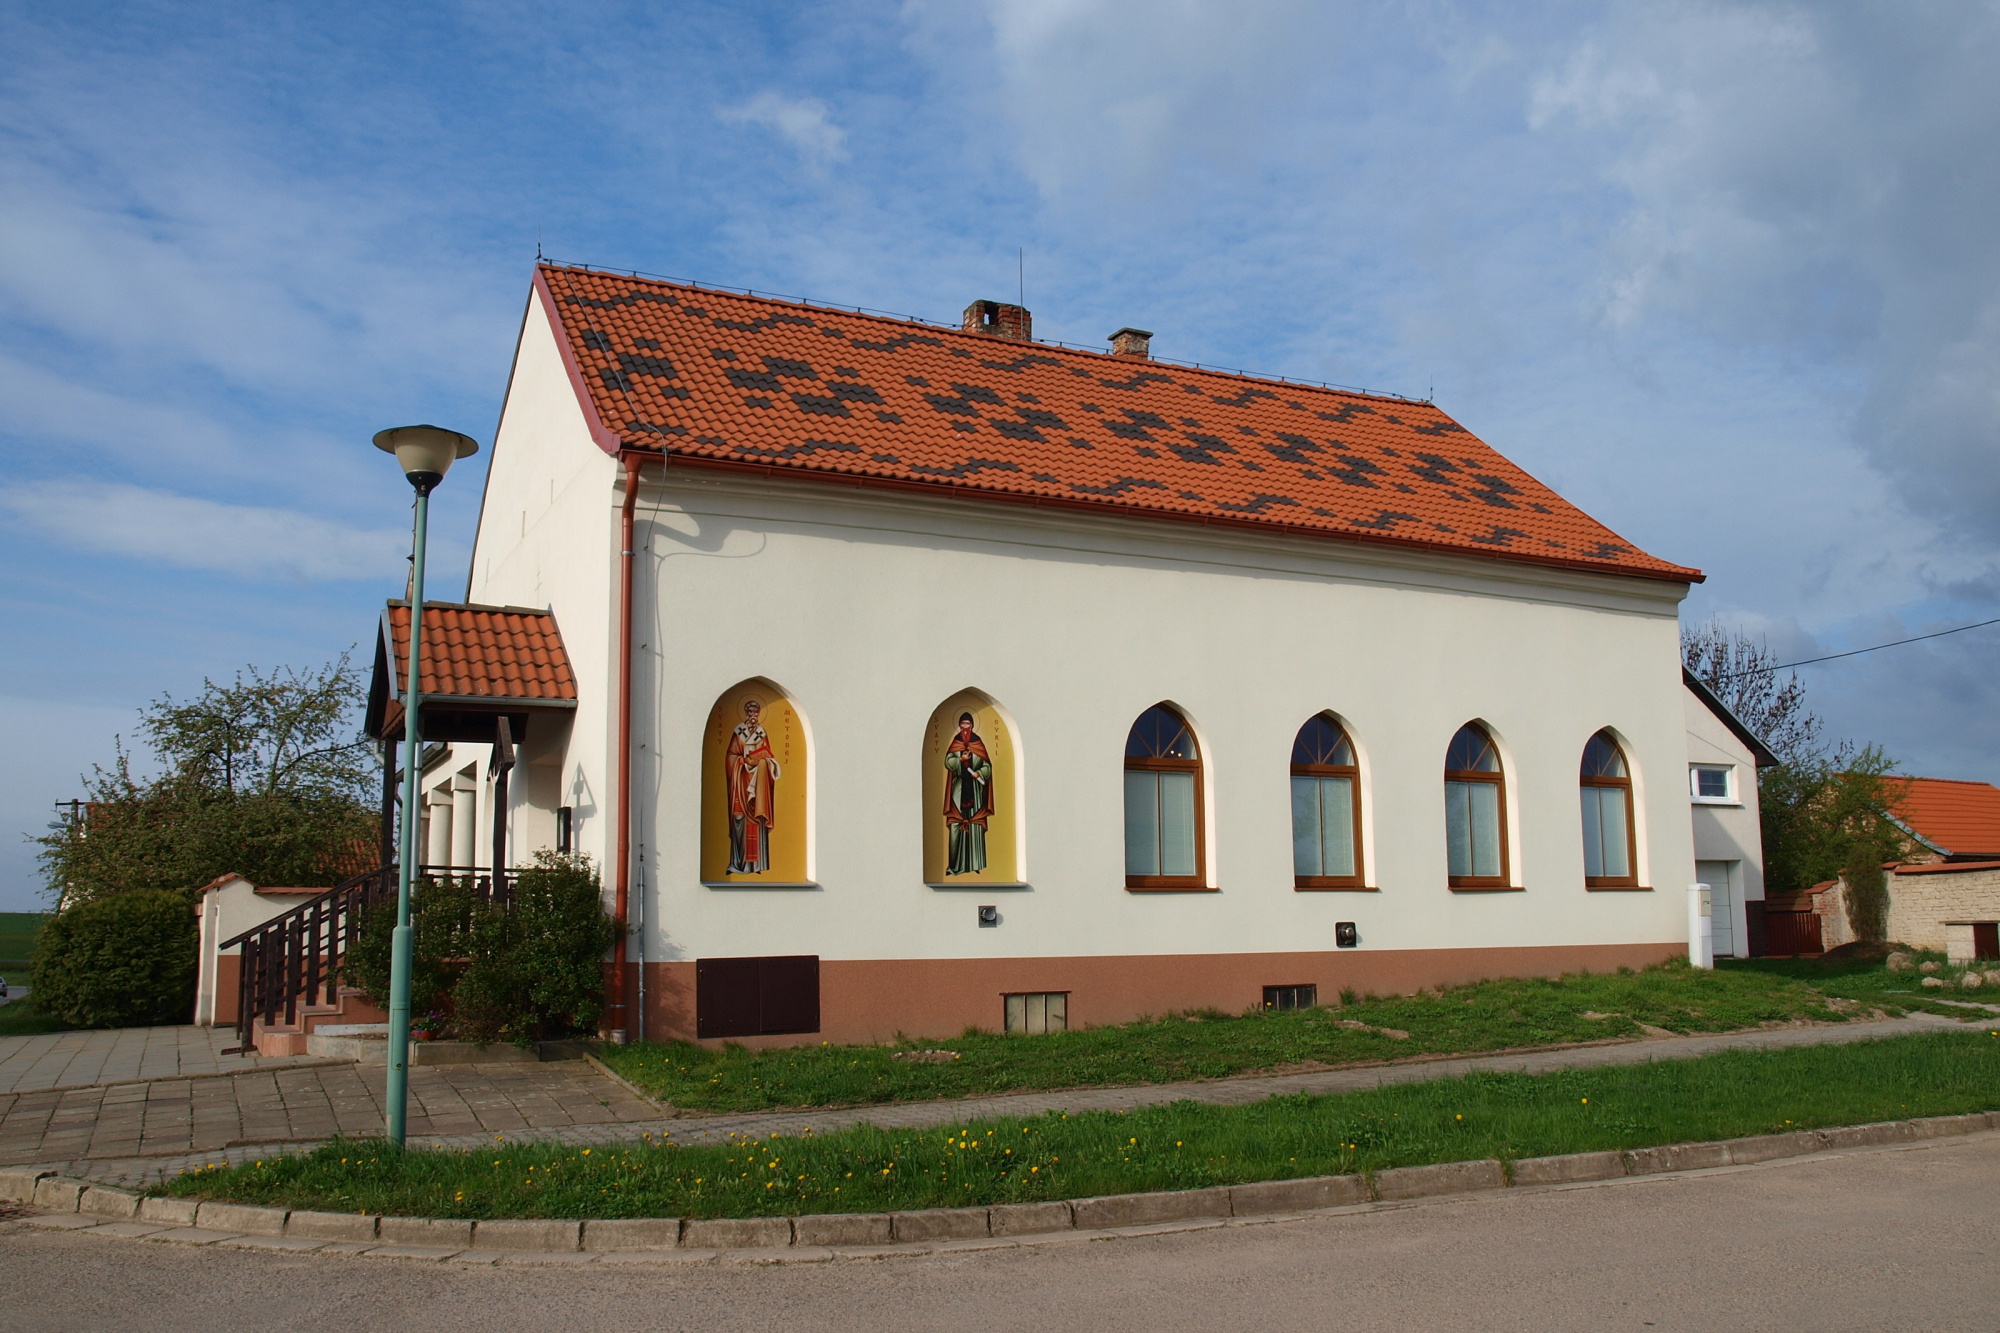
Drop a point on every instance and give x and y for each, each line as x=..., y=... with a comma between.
x=295, y=959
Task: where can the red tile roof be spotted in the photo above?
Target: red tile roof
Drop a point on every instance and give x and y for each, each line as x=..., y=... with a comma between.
x=1946, y=867
x=719, y=379
x=1957, y=818
x=491, y=652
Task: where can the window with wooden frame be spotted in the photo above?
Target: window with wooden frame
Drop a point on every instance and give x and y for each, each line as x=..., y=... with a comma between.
x=1326, y=807
x=1163, y=803
x=1475, y=811
x=1608, y=835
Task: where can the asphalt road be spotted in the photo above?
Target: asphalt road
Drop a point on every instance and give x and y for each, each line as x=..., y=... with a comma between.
x=1890, y=1239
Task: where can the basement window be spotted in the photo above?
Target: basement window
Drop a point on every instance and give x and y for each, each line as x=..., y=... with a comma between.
x=1291, y=997
x=1034, y=1012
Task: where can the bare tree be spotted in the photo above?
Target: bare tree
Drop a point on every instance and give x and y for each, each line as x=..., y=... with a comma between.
x=1743, y=673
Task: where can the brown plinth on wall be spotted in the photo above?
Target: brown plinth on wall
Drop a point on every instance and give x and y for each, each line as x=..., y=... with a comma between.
x=872, y=1000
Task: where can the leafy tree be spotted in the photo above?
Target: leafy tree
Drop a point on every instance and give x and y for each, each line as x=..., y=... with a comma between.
x=127, y=960
x=1825, y=809
x=1827, y=816
x=262, y=776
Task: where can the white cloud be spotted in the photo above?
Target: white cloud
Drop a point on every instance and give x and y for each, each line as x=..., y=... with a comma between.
x=190, y=533
x=1116, y=91
x=1815, y=184
x=802, y=122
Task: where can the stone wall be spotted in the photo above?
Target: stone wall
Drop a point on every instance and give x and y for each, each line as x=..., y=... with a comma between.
x=1834, y=927
x=1920, y=905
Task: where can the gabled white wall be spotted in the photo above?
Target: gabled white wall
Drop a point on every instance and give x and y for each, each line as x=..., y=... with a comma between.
x=548, y=537
x=1730, y=832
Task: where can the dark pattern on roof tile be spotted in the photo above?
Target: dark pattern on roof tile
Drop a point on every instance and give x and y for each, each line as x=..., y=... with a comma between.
x=1257, y=504
x=711, y=376
x=968, y=468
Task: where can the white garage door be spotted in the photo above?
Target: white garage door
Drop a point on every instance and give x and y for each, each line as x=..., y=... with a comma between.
x=1720, y=876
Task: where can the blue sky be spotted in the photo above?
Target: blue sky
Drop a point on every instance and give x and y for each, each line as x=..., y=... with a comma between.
x=1724, y=274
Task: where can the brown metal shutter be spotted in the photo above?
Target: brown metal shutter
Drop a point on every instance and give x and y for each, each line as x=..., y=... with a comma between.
x=756, y=997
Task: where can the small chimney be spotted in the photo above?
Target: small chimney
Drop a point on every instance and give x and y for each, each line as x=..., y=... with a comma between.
x=1134, y=343
x=995, y=320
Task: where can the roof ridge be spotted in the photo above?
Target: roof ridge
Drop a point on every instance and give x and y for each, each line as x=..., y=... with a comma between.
x=884, y=317
x=430, y=605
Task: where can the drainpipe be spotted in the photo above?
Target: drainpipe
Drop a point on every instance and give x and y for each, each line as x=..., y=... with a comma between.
x=622, y=880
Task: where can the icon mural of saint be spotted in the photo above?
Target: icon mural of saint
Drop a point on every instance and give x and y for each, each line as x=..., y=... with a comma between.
x=752, y=773
x=968, y=799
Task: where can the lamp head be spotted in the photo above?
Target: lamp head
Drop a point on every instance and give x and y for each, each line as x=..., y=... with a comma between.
x=425, y=453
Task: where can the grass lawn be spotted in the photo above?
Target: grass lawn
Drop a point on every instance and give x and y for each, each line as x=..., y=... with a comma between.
x=1873, y=984
x=1488, y=1016
x=17, y=942
x=1183, y=1146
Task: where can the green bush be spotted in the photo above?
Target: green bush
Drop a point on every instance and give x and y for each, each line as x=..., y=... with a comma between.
x=441, y=914
x=126, y=960
x=522, y=971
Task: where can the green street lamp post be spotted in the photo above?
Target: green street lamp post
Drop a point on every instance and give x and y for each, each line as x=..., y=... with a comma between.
x=425, y=453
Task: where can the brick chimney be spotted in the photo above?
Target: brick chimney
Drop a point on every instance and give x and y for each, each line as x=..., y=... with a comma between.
x=995, y=320
x=1134, y=343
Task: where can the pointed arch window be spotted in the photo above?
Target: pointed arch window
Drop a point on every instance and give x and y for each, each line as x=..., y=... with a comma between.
x=1606, y=783
x=1163, y=803
x=1326, y=807
x=1475, y=811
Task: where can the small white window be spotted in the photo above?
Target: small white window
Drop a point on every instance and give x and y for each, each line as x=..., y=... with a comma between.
x=1713, y=784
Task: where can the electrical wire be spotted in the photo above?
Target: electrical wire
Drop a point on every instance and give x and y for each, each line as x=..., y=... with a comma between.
x=1787, y=666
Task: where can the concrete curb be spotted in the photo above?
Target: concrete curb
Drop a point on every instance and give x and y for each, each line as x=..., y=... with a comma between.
x=76, y=1205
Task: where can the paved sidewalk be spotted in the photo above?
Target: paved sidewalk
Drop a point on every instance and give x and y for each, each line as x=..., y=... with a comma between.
x=171, y=1118
x=491, y=1093
x=123, y=1055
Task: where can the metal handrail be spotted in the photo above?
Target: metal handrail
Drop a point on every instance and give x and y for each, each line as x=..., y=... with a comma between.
x=296, y=957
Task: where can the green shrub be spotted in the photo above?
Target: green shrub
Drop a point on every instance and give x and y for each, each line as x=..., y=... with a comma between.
x=441, y=914
x=522, y=971
x=1867, y=894
x=125, y=960
x=537, y=969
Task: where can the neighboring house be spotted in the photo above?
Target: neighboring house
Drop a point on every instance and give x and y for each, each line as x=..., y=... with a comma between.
x=1944, y=890
x=1945, y=894
x=913, y=677
x=1723, y=759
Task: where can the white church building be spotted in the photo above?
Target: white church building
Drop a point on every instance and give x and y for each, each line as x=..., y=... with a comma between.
x=903, y=678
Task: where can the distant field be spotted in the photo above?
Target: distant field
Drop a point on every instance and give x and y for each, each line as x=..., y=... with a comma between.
x=17, y=938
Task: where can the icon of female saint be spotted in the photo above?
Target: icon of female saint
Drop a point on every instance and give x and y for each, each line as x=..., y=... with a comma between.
x=968, y=799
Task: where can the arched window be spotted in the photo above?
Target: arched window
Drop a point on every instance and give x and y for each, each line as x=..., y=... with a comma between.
x=1163, y=833
x=1475, y=811
x=1607, y=815
x=1326, y=807
x=754, y=769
